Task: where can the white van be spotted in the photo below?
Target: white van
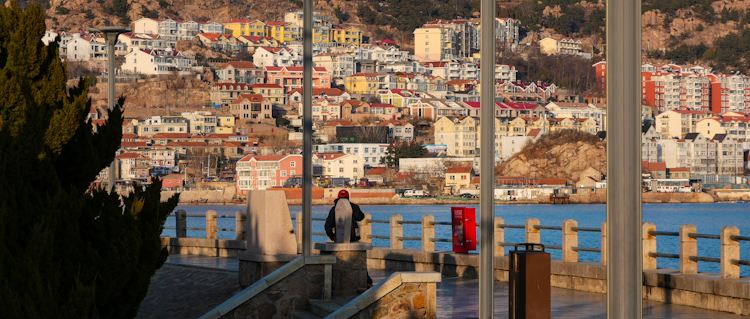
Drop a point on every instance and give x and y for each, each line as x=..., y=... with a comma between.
x=414, y=193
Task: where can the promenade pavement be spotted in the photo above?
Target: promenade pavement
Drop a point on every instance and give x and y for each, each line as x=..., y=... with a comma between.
x=189, y=286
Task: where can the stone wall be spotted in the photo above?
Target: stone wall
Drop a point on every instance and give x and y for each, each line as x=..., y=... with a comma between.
x=401, y=295
x=291, y=293
x=409, y=300
x=289, y=288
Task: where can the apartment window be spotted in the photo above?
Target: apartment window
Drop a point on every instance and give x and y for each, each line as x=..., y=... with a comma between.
x=354, y=170
x=283, y=173
x=293, y=164
x=341, y=169
x=293, y=172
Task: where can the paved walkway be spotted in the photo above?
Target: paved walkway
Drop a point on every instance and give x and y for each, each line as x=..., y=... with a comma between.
x=189, y=286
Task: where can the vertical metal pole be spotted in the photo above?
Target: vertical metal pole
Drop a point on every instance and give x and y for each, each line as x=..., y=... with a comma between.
x=486, y=161
x=624, y=250
x=111, y=39
x=110, y=36
x=307, y=88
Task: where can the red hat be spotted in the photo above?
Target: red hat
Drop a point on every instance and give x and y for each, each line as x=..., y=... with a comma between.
x=343, y=193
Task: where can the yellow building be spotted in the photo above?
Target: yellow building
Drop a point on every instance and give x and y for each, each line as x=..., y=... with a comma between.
x=283, y=31
x=501, y=129
x=346, y=34
x=363, y=83
x=434, y=43
x=240, y=27
x=459, y=177
x=458, y=133
x=270, y=91
x=225, y=123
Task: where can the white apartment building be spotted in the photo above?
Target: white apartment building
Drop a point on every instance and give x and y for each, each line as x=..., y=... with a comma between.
x=736, y=127
x=340, y=165
x=564, y=46
x=649, y=144
x=278, y=57
x=201, y=122
x=156, y=62
x=85, y=49
x=512, y=144
x=384, y=54
x=160, y=124
x=371, y=153
x=676, y=124
x=339, y=65
x=721, y=155
x=562, y=110
x=504, y=72
x=142, y=41
x=172, y=31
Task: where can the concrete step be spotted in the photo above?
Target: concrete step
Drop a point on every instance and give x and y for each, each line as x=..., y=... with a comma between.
x=323, y=308
x=303, y=315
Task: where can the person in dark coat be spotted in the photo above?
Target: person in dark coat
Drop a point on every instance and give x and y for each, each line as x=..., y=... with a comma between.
x=357, y=215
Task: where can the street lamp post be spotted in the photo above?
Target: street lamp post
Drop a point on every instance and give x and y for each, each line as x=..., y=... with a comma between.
x=110, y=36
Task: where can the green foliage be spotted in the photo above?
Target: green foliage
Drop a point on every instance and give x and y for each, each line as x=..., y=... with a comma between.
x=686, y=53
x=699, y=28
x=88, y=14
x=163, y=3
x=407, y=15
x=343, y=16
x=62, y=10
x=120, y=9
x=146, y=13
x=403, y=150
x=65, y=252
x=282, y=122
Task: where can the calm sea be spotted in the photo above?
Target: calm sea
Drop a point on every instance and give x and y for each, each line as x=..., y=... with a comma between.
x=708, y=218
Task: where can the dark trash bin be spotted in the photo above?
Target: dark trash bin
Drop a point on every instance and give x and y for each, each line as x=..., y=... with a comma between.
x=529, y=277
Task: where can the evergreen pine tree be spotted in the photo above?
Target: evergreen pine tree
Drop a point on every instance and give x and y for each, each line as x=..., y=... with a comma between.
x=65, y=252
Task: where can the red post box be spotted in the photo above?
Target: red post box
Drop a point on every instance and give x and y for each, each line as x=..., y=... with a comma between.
x=464, y=229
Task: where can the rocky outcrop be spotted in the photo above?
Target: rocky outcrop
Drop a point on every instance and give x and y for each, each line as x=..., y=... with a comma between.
x=565, y=160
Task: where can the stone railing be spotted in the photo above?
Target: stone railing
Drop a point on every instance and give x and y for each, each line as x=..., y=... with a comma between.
x=209, y=245
x=688, y=255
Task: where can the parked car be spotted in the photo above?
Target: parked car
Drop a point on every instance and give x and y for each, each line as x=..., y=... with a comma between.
x=467, y=195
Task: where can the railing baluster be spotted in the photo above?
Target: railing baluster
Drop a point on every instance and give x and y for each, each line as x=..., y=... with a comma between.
x=649, y=245
x=730, y=250
x=569, y=240
x=397, y=230
x=428, y=232
x=688, y=247
x=532, y=233
x=211, y=224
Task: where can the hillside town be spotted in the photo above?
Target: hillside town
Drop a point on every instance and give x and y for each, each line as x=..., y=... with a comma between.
x=371, y=99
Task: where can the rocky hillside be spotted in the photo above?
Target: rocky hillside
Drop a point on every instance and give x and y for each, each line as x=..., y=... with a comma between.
x=563, y=154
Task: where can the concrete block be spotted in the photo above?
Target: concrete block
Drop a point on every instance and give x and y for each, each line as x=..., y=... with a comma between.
x=242, y=256
x=428, y=276
x=532, y=234
x=332, y=246
x=269, y=224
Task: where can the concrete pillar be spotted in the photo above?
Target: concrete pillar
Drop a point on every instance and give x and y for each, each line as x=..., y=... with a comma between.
x=428, y=232
x=211, y=224
x=298, y=227
x=532, y=234
x=365, y=229
x=397, y=230
x=569, y=240
x=688, y=247
x=604, y=243
x=181, y=223
x=730, y=250
x=240, y=223
x=649, y=246
x=499, y=237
